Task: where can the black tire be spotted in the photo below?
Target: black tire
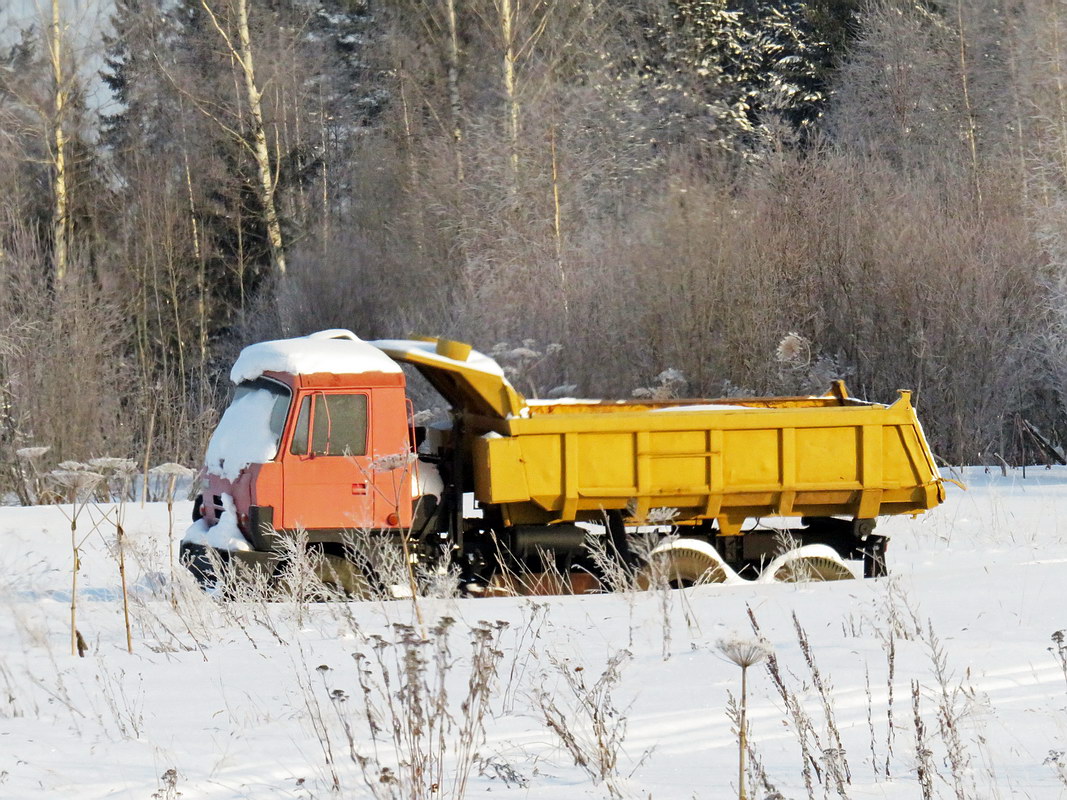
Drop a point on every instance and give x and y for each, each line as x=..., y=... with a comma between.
x=204, y=565
x=198, y=508
x=344, y=577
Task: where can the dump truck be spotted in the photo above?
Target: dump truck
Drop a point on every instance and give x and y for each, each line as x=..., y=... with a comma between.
x=320, y=445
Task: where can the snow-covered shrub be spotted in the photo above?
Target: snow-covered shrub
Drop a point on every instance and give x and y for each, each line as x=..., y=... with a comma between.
x=668, y=385
x=529, y=364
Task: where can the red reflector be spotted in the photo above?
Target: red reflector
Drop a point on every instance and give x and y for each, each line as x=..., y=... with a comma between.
x=359, y=488
x=392, y=519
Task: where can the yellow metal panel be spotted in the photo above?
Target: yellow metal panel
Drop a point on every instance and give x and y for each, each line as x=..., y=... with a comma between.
x=470, y=387
x=715, y=474
x=543, y=461
x=840, y=499
x=827, y=455
x=499, y=472
x=570, y=475
x=903, y=455
x=871, y=463
x=642, y=440
x=605, y=461
x=678, y=442
x=679, y=459
x=749, y=457
x=788, y=466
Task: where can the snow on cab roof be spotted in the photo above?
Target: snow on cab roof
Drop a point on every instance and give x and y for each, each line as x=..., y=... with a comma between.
x=336, y=351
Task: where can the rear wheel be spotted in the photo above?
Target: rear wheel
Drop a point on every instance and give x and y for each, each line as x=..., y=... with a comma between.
x=810, y=563
x=682, y=563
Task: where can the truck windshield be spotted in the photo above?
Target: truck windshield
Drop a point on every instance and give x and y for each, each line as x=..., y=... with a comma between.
x=250, y=429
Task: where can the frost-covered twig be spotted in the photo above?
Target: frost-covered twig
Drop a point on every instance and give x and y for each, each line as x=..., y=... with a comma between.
x=172, y=472
x=590, y=727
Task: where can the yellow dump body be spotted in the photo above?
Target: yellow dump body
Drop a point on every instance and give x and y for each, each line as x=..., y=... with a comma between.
x=723, y=460
x=728, y=461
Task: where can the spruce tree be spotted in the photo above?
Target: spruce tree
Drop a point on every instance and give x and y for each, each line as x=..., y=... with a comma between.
x=748, y=73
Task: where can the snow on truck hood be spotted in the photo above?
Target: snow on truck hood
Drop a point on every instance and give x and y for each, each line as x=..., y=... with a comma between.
x=337, y=351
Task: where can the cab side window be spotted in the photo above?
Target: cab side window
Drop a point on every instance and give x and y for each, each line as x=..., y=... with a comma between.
x=300, y=435
x=337, y=424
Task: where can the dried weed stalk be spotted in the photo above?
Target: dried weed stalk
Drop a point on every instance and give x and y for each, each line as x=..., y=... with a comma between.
x=952, y=708
x=924, y=762
x=1059, y=649
x=744, y=653
x=588, y=723
x=408, y=736
x=1056, y=761
x=806, y=735
x=837, y=769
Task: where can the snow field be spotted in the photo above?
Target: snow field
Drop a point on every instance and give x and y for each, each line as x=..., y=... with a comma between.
x=230, y=695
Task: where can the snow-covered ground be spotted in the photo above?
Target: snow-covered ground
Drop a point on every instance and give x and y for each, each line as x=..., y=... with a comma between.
x=260, y=700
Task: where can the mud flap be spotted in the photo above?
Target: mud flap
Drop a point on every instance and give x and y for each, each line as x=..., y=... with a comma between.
x=873, y=549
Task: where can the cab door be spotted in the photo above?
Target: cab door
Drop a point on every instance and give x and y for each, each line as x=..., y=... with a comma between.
x=328, y=481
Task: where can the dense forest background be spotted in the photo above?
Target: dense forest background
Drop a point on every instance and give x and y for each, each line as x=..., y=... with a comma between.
x=701, y=197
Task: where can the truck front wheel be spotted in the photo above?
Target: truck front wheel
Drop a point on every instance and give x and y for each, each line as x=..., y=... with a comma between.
x=340, y=575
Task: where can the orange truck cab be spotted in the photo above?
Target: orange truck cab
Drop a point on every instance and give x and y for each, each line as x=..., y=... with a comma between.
x=317, y=438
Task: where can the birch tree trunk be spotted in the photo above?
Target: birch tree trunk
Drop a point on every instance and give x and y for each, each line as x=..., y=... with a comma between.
x=511, y=101
x=557, y=229
x=965, y=87
x=453, y=87
x=242, y=54
x=61, y=199
x=267, y=180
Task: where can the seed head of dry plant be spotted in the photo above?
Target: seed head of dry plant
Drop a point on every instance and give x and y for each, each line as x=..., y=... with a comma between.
x=79, y=479
x=794, y=349
x=172, y=468
x=31, y=453
x=168, y=474
x=112, y=464
x=72, y=466
x=745, y=652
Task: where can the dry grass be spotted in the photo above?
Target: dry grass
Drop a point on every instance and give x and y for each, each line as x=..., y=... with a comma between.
x=585, y=718
x=404, y=731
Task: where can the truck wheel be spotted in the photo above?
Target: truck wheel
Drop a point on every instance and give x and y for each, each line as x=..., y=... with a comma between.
x=198, y=508
x=682, y=563
x=813, y=562
x=204, y=564
x=342, y=576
